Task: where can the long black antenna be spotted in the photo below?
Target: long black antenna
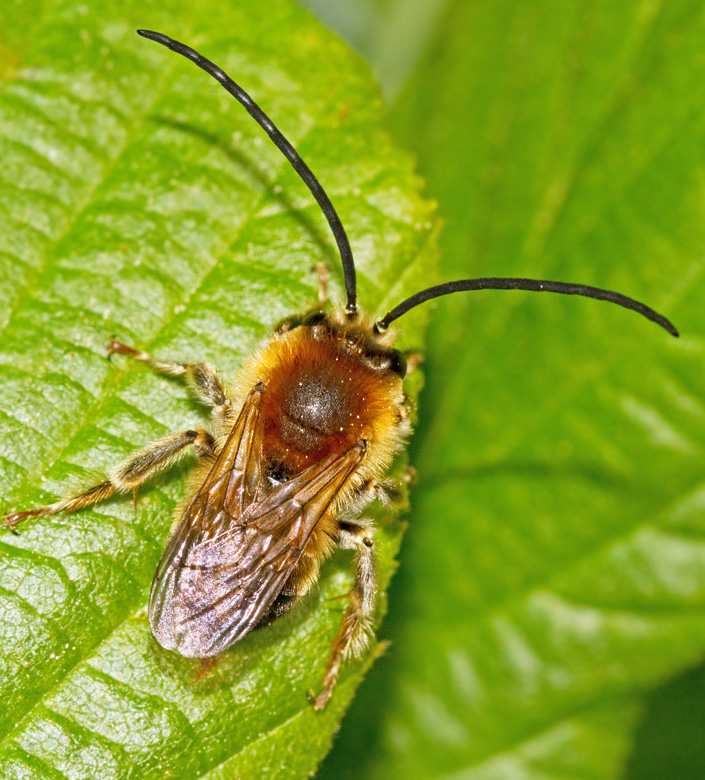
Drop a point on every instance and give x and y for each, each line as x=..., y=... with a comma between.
x=532, y=285
x=284, y=147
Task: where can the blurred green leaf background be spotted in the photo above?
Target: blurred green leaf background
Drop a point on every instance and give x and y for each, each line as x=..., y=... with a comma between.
x=547, y=618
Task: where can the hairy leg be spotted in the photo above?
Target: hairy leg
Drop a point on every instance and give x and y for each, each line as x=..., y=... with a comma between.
x=323, y=274
x=202, y=379
x=356, y=629
x=128, y=475
x=391, y=492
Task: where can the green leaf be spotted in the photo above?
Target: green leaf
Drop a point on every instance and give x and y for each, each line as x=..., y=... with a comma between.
x=668, y=742
x=554, y=570
x=139, y=200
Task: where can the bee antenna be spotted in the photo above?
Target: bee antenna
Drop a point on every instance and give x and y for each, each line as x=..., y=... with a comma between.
x=284, y=147
x=532, y=285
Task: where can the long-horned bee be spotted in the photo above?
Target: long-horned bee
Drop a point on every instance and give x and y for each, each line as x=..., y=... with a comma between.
x=297, y=446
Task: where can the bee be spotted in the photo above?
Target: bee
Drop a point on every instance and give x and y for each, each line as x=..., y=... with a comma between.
x=298, y=445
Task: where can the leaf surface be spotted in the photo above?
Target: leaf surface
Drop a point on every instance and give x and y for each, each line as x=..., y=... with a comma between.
x=137, y=199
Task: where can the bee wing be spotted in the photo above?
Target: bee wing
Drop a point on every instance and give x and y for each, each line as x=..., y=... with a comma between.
x=238, y=542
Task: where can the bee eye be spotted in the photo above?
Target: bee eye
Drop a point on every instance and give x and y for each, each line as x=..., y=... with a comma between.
x=314, y=318
x=397, y=363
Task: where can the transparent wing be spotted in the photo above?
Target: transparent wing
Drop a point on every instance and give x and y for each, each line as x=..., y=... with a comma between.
x=238, y=542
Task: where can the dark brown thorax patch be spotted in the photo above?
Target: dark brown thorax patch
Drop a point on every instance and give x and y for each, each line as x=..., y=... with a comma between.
x=320, y=400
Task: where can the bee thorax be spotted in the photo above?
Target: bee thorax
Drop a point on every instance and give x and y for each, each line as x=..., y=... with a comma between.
x=316, y=406
x=321, y=399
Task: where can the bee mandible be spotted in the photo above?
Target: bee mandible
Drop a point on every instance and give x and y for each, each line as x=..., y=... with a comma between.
x=297, y=446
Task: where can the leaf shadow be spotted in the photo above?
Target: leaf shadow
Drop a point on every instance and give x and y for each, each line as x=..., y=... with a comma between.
x=247, y=163
x=668, y=742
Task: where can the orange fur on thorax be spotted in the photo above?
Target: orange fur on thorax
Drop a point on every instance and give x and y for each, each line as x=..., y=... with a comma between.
x=372, y=402
x=350, y=401
x=320, y=400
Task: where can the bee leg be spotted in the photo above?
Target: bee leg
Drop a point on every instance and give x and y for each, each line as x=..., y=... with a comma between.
x=202, y=379
x=413, y=361
x=390, y=491
x=128, y=475
x=321, y=271
x=356, y=629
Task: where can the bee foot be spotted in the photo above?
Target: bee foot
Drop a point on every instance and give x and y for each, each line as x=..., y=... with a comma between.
x=11, y=520
x=319, y=702
x=117, y=346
